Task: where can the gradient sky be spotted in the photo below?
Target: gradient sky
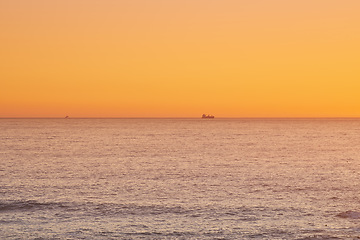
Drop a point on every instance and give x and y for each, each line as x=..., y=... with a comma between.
x=179, y=58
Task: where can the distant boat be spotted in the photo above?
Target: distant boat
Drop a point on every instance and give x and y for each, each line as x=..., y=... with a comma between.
x=207, y=116
x=67, y=117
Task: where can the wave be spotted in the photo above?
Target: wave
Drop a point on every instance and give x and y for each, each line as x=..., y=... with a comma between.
x=113, y=209
x=26, y=205
x=105, y=208
x=320, y=237
x=349, y=214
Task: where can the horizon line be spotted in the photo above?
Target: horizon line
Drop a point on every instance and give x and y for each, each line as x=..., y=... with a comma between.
x=179, y=118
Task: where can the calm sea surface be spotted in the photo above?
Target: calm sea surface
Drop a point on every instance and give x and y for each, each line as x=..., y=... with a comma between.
x=179, y=179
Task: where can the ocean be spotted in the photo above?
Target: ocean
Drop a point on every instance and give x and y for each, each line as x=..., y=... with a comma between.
x=179, y=178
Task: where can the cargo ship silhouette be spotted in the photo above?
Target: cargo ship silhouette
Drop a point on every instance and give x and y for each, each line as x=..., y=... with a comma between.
x=207, y=116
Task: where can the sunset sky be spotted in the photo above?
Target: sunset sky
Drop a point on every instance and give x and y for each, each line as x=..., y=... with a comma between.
x=179, y=58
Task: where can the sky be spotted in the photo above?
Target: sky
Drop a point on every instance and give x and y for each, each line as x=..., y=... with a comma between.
x=179, y=58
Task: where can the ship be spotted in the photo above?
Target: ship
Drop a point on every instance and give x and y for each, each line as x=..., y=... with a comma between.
x=207, y=116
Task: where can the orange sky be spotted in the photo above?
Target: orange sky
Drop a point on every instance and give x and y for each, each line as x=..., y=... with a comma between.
x=179, y=58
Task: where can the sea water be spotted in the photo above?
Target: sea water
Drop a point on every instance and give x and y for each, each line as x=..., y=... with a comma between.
x=179, y=178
